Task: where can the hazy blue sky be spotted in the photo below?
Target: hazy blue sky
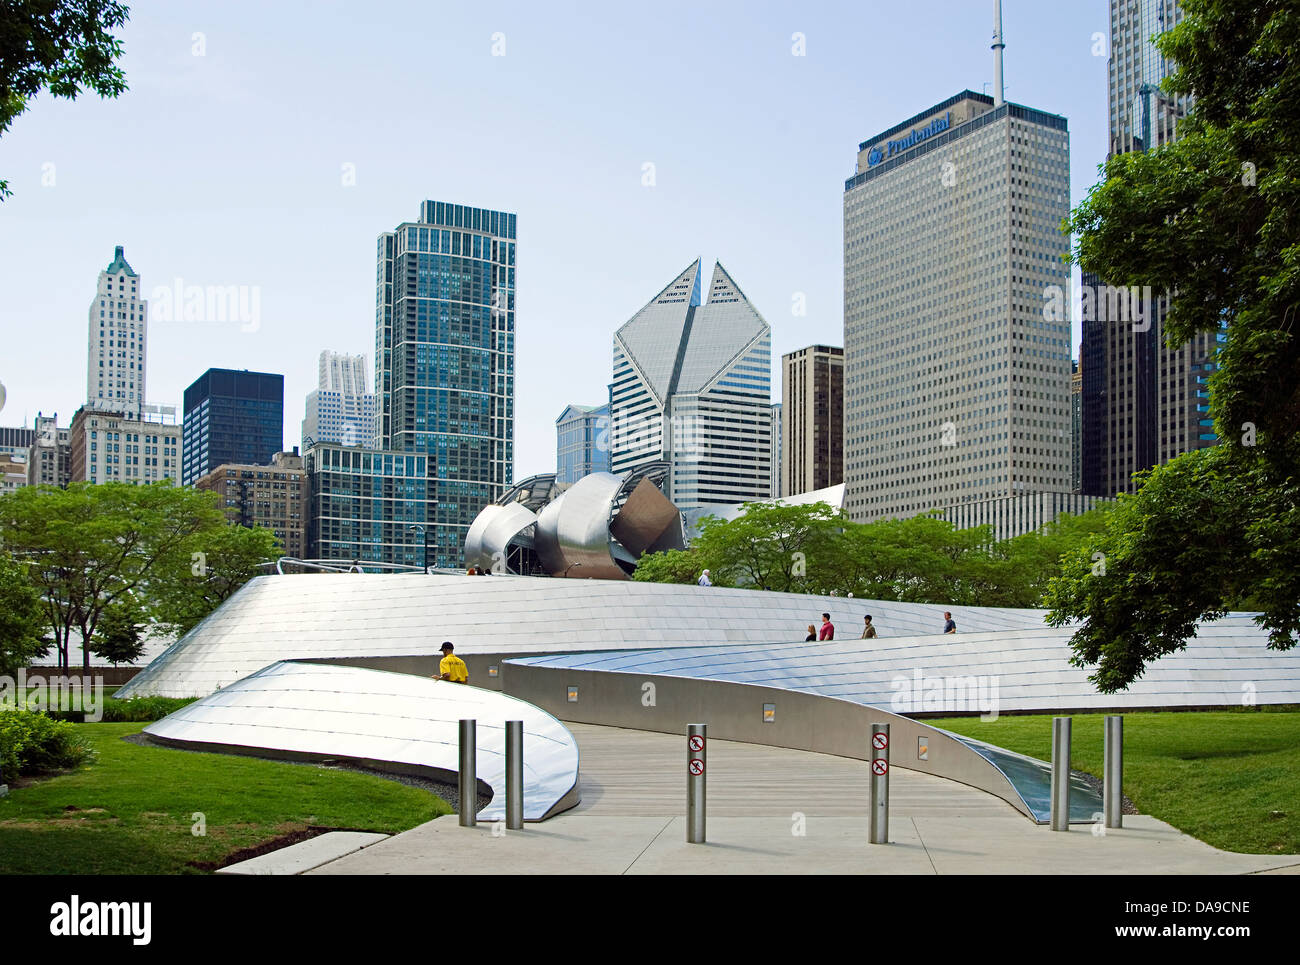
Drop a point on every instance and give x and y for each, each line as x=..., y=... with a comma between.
x=227, y=168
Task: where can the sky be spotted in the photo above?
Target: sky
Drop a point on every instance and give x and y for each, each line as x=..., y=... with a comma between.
x=267, y=145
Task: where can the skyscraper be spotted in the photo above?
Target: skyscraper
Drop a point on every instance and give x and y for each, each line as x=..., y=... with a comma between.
x=692, y=387
x=231, y=417
x=1143, y=403
x=812, y=393
x=581, y=442
x=115, y=354
x=340, y=409
x=957, y=385
x=445, y=356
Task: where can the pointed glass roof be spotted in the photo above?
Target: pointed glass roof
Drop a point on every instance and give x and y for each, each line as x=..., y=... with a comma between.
x=653, y=336
x=721, y=331
x=680, y=345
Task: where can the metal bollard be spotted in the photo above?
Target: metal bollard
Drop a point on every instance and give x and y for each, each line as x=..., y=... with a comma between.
x=467, y=776
x=1113, y=774
x=1060, y=773
x=879, y=784
x=515, y=775
x=696, y=736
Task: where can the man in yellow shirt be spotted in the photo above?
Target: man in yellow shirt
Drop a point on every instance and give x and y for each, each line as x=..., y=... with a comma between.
x=451, y=667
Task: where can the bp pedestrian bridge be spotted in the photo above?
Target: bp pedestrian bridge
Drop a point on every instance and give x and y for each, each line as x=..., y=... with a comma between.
x=338, y=667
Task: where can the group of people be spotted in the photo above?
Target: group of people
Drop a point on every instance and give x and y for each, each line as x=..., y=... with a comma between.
x=827, y=631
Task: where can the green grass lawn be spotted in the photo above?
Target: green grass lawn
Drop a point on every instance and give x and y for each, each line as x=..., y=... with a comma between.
x=1231, y=779
x=131, y=811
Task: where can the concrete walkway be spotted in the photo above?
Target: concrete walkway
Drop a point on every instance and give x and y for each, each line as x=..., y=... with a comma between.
x=775, y=810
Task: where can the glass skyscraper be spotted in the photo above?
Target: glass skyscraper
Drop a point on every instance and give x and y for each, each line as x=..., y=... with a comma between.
x=1143, y=402
x=444, y=359
x=231, y=417
x=582, y=442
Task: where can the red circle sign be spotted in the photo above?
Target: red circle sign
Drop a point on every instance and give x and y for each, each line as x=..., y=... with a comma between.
x=880, y=741
x=879, y=766
x=696, y=742
x=697, y=768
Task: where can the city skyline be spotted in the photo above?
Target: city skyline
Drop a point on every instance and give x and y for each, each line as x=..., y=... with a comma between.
x=284, y=305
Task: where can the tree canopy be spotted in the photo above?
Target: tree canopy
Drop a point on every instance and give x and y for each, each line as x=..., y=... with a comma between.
x=1214, y=218
x=923, y=559
x=63, y=46
x=88, y=549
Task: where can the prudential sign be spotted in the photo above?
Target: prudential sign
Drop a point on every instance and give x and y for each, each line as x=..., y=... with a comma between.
x=914, y=137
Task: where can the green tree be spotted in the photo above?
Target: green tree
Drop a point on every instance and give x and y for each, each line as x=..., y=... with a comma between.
x=1028, y=563
x=22, y=618
x=87, y=546
x=770, y=546
x=207, y=571
x=61, y=46
x=1215, y=218
x=118, y=637
x=669, y=566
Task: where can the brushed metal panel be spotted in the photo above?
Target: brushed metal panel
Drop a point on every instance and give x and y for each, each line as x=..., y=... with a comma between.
x=391, y=721
x=648, y=522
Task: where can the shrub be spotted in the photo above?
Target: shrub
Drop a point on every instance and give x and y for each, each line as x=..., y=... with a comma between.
x=137, y=709
x=32, y=743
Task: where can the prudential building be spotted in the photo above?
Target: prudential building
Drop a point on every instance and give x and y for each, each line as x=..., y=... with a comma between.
x=956, y=383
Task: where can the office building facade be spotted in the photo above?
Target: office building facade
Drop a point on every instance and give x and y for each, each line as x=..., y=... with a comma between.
x=1143, y=402
x=1076, y=428
x=582, y=440
x=49, y=459
x=812, y=396
x=15, y=441
x=110, y=446
x=957, y=384
x=692, y=387
x=444, y=358
x=117, y=338
x=778, y=427
x=273, y=496
x=365, y=504
x=234, y=417
x=340, y=408
x=1016, y=515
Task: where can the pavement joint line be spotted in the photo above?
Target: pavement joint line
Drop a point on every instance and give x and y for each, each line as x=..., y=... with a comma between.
x=1261, y=871
x=648, y=845
x=923, y=847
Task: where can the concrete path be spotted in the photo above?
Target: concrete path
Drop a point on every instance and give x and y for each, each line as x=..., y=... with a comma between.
x=305, y=855
x=775, y=810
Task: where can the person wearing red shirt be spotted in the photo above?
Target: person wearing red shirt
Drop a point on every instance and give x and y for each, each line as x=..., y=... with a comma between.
x=828, y=628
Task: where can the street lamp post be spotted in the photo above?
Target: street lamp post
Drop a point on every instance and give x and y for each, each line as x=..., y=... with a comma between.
x=424, y=537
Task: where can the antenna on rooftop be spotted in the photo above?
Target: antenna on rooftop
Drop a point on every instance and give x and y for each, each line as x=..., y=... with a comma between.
x=997, y=48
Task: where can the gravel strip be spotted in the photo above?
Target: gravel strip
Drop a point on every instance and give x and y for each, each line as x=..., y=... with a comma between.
x=1098, y=785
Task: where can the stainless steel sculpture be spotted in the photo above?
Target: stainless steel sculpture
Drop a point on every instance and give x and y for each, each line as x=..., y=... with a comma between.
x=574, y=530
x=487, y=544
x=387, y=721
x=597, y=528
